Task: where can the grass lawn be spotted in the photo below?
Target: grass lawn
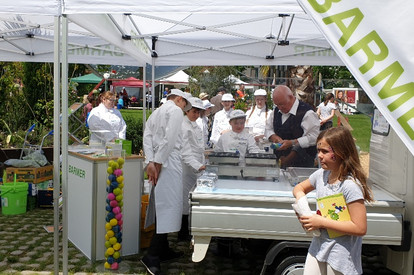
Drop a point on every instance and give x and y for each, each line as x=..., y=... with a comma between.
x=134, y=113
x=362, y=129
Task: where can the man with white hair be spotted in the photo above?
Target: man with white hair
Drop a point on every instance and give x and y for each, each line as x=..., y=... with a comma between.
x=295, y=125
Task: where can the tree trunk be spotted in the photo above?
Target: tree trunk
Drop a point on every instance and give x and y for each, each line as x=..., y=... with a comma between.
x=301, y=82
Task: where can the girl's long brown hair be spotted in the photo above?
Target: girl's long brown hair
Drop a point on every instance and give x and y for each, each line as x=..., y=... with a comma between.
x=343, y=145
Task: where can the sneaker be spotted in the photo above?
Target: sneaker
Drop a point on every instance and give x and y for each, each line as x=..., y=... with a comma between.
x=152, y=264
x=171, y=255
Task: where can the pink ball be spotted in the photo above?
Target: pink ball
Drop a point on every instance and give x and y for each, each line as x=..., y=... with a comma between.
x=116, y=210
x=118, y=172
x=120, y=222
x=115, y=266
x=118, y=216
x=111, y=196
x=113, y=203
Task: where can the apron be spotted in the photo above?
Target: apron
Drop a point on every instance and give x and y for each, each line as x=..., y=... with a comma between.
x=189, y=180
x=165, y=202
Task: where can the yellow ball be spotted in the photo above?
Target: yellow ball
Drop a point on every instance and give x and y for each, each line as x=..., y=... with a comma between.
x=116, y=255
x=110, y=251
x=106, y=237
x=107, y=244
x=113, y=222
x=119, y=198
x=108, y=182
x=113, y=240
x=120, y=204
x=108, y=226
x=117, y=191
x=121, y=161
x=109, y=170
x=115, y=165
x=107, y=265
x=110, y=233
x=120, y=179
x=117, y=246
x=106, y=254
x=110, y=163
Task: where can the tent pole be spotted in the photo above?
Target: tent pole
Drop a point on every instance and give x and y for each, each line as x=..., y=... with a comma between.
x=56, y=143
x=144, y=94
x=153, y=84
x=65, y=132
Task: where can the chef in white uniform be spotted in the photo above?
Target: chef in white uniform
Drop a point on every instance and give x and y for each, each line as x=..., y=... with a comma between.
x=193, y=162
x=163, y=142
x=257, y=116
x=202, y=122
x=105, y=122
x=237, y=140
x=221, y=118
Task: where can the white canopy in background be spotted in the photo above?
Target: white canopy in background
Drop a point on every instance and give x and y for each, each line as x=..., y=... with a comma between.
x=178, y=77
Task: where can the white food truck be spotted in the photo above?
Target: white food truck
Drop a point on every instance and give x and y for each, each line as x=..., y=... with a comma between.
x=254, y=202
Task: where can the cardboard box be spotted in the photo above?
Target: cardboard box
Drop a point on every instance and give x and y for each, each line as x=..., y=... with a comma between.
x=144, y=206
x=45, y=198
x=30, y=174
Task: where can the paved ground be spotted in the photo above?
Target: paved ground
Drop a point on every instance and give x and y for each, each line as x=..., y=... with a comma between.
x=26, y=248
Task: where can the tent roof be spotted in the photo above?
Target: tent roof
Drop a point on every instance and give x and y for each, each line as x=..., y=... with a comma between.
x=88, y=78
x=129, y=82
x=178, y=77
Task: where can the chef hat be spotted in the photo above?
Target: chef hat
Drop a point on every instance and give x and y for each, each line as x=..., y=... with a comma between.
x=203, y=96
x=196, y=103
x=184, y=95
x=260, y=92
x=207, y=104
x=237, y=114
x=227, y=97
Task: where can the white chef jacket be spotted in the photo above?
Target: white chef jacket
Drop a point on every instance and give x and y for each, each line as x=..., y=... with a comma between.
x=236, y=142
x=220, y=123
x=162, y=144
x=202, y=122
x=310, y=125
x=192, y=158
x=256, y=120
x=106, y=124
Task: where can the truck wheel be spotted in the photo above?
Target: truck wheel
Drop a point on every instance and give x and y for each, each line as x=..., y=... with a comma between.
x=292, y=265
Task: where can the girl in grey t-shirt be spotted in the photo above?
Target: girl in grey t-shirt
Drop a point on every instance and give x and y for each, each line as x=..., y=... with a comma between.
x=341, y=173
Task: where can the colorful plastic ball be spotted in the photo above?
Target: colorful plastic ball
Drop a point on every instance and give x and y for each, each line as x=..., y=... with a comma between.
x=113, y=222
x=109, y=170
x=113, y=203
x=110, y=233
x=115, y=266
x=121, y=185
x=107, y=265
x=118, y=216
x=114, y=184
x=106, y=237
x=120, y=161
x=120, y=179
x=108, y=182
x=111, y=196
x=116, y=210
x=119, y=240
x=110, y=216
x=106, y=255
x=117, y=246
x=116, y=255
x=111, y=162
x=112, y=177
x=120, y=222
x=115, y=229
x=118, y=235
x=118, y=172
x=113, y=241
x=107, y=244
x=108, y=226
x=119, y=259
x=119, y=197
x=108, y=208
x=110, y=259
x=110, y=251
x=117, y=191
x=115, y=165
x=120, y=204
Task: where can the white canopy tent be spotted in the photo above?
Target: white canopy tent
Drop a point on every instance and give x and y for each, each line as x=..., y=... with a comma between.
x=222, y=32
x=179, y=77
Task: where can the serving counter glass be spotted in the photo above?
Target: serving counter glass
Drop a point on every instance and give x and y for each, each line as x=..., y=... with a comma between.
x=87, y=199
